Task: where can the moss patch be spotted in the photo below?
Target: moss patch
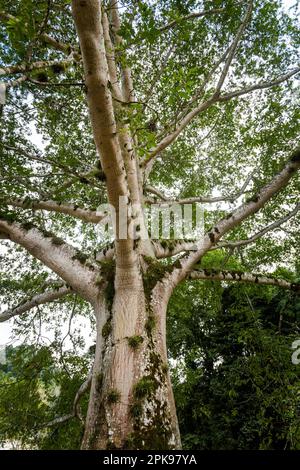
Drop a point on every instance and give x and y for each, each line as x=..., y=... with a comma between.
x=135, y=341
x=150, y=323
x=81, y=257
x=57, y=241
x=113, y=396
x=107, y=329
x=145, y=387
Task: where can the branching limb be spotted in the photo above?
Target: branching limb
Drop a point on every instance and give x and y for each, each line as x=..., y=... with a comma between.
x=76, y=412
x=258, y=86
x=260, y=279
x=85, y=178
x=232, y=220
x=69, y=264
x=233, y=47
x=204, y=199
x=256, y=236
x=191, y=16
x=73, y=210
x=39, y=299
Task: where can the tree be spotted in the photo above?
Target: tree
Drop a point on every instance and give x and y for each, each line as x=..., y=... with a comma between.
x=134, y=100
x=234, y=382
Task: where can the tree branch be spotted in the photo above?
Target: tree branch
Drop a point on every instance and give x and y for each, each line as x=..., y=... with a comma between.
x=274, y=225
x=87, y=17
x=260, y=279
x=83, y=177
x=75, y=411
x=169, y=139
x=85, y=215
x=203, y=199
x=168, y=248
x=56, y=254
x=42, y=64
x=248, y=208
x=233, y=47
x=190, y=16
x=258, y=86
x=38, y=299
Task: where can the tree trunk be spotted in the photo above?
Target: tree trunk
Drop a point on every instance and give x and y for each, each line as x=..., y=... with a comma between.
x=131, y=402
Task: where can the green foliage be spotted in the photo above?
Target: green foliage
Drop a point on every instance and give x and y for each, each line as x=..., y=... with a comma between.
x=107, y=328
x=35, y=389
x=144, y=387
x=235, y=384
x=113, y=396
x=135, y=341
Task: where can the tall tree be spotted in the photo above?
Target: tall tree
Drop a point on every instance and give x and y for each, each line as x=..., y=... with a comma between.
x=139, y=104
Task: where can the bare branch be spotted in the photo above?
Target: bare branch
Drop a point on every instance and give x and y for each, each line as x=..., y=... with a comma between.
x=35, y=301
x=274, y=225
x=260, y=279
x=259, y=86
x=234, y=45
x=85, y=215
x=203, y=199
x=54, y=43
x=191, y=16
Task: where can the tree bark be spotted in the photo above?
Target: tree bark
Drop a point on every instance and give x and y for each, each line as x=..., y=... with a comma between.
x=131, y=401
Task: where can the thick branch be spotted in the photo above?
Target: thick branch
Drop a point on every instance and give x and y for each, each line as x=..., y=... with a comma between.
x=38, y=299
x=57, y=255
x=261, y=279
x=87, y=17
x=169, y=248
x=250, y=207
x=85, y=215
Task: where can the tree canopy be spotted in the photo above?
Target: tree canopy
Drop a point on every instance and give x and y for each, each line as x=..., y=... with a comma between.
x=160, y=102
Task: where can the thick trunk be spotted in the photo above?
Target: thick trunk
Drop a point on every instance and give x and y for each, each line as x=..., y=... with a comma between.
x=131, y=402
